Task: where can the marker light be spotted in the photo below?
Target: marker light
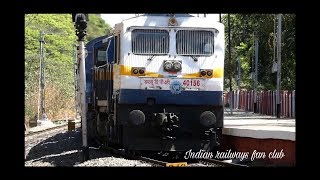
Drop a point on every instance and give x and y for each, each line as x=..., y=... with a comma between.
x=203, y=72
x=167, y=65
x=209, y=73
x=177, y=66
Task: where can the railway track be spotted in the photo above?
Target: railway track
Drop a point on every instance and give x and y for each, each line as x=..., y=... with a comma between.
x=222, y=163
x=161, y=163
x=30, y=133
x=149, y=159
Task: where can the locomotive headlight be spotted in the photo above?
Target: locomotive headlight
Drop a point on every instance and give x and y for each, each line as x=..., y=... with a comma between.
x=167, y=65
x=172, y=21
x=177, y=66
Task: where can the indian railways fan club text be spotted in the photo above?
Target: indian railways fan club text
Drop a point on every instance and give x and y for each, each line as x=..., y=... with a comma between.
x=228, y=154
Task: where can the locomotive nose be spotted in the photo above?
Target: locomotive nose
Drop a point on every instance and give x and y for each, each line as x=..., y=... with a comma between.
x=136, y=117
x=207, y=119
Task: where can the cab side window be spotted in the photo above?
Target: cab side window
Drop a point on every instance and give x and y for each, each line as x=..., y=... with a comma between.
x=100, y=57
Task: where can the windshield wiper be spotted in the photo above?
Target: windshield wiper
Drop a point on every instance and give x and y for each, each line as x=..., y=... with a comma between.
x=151, y=57
x=194, y=58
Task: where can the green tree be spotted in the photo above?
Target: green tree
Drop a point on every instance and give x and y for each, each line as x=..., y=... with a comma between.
x=243, y=28
x=97, y=27
x=59, y=60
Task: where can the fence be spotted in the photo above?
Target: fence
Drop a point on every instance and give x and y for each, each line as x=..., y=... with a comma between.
x=266, y=102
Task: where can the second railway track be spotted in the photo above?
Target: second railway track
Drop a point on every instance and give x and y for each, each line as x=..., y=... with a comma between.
x=30, y=133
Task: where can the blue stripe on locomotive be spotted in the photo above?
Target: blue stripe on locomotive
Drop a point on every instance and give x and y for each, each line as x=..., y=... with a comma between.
x=91, y=46
x=139, y=96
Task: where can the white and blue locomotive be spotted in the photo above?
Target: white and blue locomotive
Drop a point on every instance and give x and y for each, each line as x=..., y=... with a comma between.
x=156, y=83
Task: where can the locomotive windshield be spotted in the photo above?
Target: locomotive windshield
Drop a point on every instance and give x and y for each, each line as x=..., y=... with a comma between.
x=195, y=42
x=150, y=41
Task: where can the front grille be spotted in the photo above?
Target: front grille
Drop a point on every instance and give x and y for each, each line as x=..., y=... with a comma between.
x=195, y=42
x=150, y=41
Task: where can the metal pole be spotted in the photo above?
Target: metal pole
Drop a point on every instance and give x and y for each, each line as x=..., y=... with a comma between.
x=220, y=17
x=274, y=40
x=252, y=62
x=44, y=116
x=74, y=59
x=279, y=67
x=81, y=25
x=239, y=73
x=256, y=75
x=237, y=77
x=40, y=97
x=230, y=89
x=83, y=93
x=252, y=69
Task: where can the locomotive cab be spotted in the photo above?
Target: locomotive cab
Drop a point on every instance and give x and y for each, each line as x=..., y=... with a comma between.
x=157, y=84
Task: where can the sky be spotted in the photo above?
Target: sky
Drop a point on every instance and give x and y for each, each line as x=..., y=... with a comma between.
x=112, y=19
